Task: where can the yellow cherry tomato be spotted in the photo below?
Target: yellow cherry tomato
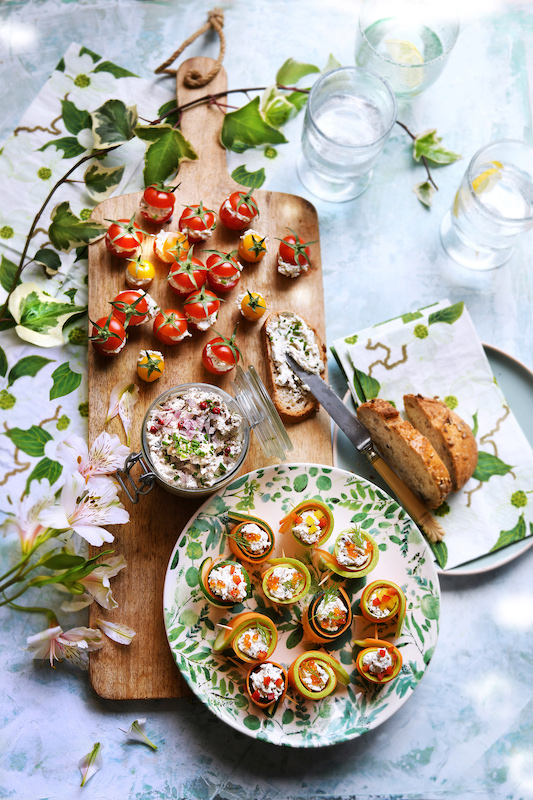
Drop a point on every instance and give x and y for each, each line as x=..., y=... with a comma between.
x=150, y=365
x=252, y=246
x=139, y=273
x=253, y=306
x=169, y=244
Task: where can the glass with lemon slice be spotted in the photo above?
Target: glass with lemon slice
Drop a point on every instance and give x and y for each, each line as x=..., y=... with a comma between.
x=407, y=42
x=493, y=206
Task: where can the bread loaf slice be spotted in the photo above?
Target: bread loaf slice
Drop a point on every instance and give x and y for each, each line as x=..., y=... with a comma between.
x=287, y=331
x=411, y=456
x=451, y=437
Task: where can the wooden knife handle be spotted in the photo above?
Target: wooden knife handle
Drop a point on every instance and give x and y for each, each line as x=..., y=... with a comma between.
x=414, y=507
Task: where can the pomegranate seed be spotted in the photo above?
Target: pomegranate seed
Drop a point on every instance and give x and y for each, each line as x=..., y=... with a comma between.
x=215, y=410
x=227, y=451
x=153, y=429
x=203, y=405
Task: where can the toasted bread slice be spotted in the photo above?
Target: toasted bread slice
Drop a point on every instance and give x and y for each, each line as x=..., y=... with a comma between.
x=411, y=456
x=451, y=437
x=292, y=401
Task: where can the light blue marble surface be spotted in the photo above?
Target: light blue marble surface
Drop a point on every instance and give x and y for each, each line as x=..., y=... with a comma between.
x=468, y=729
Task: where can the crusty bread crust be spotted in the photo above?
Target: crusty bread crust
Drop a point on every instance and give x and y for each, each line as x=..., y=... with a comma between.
x=290, y=408
x=448, y=433
x=407, y=451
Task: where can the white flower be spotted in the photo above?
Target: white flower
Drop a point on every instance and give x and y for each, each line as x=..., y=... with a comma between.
x=97, y=586
x=42, y=169
x=90, y=764
x=510, y=498
x=107, y=454
x=27, y=521
x=117, y=631
x=85, y=88
x=74, y=645
x=136, y=733
x=86, y=507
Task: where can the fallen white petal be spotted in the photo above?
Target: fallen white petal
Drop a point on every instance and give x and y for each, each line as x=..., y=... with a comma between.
x=125, y=409
x=117, y=631
x=136, y=733
x=90, y=764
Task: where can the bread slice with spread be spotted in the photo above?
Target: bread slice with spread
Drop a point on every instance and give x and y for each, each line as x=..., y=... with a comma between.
x=286, y=331
x=451, y=437
x=407, y=451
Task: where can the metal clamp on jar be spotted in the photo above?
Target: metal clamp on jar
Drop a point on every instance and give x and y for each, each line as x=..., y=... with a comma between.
x=251, y=409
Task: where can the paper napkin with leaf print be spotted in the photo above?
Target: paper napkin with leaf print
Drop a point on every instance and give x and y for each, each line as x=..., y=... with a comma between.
x=436, y=352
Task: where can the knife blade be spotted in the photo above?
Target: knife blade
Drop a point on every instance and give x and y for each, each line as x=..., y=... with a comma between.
x=361, y=439
x=347, y=422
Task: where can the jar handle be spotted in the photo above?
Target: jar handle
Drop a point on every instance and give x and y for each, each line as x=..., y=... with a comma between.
x=146, y=479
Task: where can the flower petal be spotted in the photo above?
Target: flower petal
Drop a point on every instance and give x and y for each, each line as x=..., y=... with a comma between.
x=125, y=409
x=117, y=631
x=93, y=534
x=81, y=601
x=136, y=733
x=116, y=393
x=90, y=764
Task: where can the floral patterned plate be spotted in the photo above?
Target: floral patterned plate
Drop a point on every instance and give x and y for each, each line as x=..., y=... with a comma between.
x=191, y=623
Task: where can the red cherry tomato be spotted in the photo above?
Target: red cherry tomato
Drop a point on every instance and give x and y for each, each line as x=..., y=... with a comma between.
x=197, y=223
x=130, y=308
x=187, y=274
x=220, y=355
x=170, y=326
x=123, y=237
x=294, y=252
x=238, y=211
x=201, y=308
x=108, y=336
x=224, y=272
x=158, y=202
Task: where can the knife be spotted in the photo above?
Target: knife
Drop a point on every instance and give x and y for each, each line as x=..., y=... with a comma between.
x=361, y=439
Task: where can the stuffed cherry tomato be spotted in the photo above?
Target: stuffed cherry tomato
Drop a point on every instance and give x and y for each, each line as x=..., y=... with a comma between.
x=124, y=237
x=221, y=355
x=224, y=272
x=170, y=326
x=238, y=211
x=157, y=204
x=293, y=255
x=139, y=273
x=108, y=336
x=197, y=223
x=187, y=274
x=169, y=245
x=201, y=308
x=252, y=246
x=252, y=305
x=150, y=365
x=132, y=308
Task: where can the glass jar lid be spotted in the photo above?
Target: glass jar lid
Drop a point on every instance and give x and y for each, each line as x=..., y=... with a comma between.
x=252, y=398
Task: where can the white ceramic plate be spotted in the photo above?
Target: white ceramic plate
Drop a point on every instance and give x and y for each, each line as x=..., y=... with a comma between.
x=190, y=621
x=516, y=382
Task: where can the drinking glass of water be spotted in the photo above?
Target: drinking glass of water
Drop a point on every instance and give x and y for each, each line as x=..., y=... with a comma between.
x=349, y=116
x=493, y=206
x=407, y=42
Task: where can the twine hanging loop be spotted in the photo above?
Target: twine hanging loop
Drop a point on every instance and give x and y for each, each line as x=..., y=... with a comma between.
x=193, y=78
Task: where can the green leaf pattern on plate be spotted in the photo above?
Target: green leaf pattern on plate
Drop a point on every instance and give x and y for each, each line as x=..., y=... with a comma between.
x=191, y=622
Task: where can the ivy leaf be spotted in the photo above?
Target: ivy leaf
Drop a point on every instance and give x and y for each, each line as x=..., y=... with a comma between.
x=49, y=259
x=489, y=465
x=68, y=144
x=167, y=148
x=297, y=99
x=275, y=107
x=447, y=315
x=367, y=388
x=410, y=316
x=171, y=119
x=68, y=231
x=29, y=365
x=74, y=119
x=251, y=179
x=514, y=535
x=30, y=441
x=7, y=273
x=332, y=63
x=114, y=69
x=81, y=253
x=291, y=71
x=246, y=128
x=40, y=317
x=44, y=469
x=84, y=51
x=424, y=191
x=428, y=144
x=113, y=124
x=101, y=181
x=65, y=381
x=3, y=362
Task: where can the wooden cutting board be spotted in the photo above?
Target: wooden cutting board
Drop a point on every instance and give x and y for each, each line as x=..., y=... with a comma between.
x=145, y=669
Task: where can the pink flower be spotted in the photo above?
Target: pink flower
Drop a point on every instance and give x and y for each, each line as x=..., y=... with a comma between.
x=27, y=522
x=74, y=645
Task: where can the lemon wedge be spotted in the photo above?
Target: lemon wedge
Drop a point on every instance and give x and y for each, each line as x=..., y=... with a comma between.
x=404, y=52
x=487, y=178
